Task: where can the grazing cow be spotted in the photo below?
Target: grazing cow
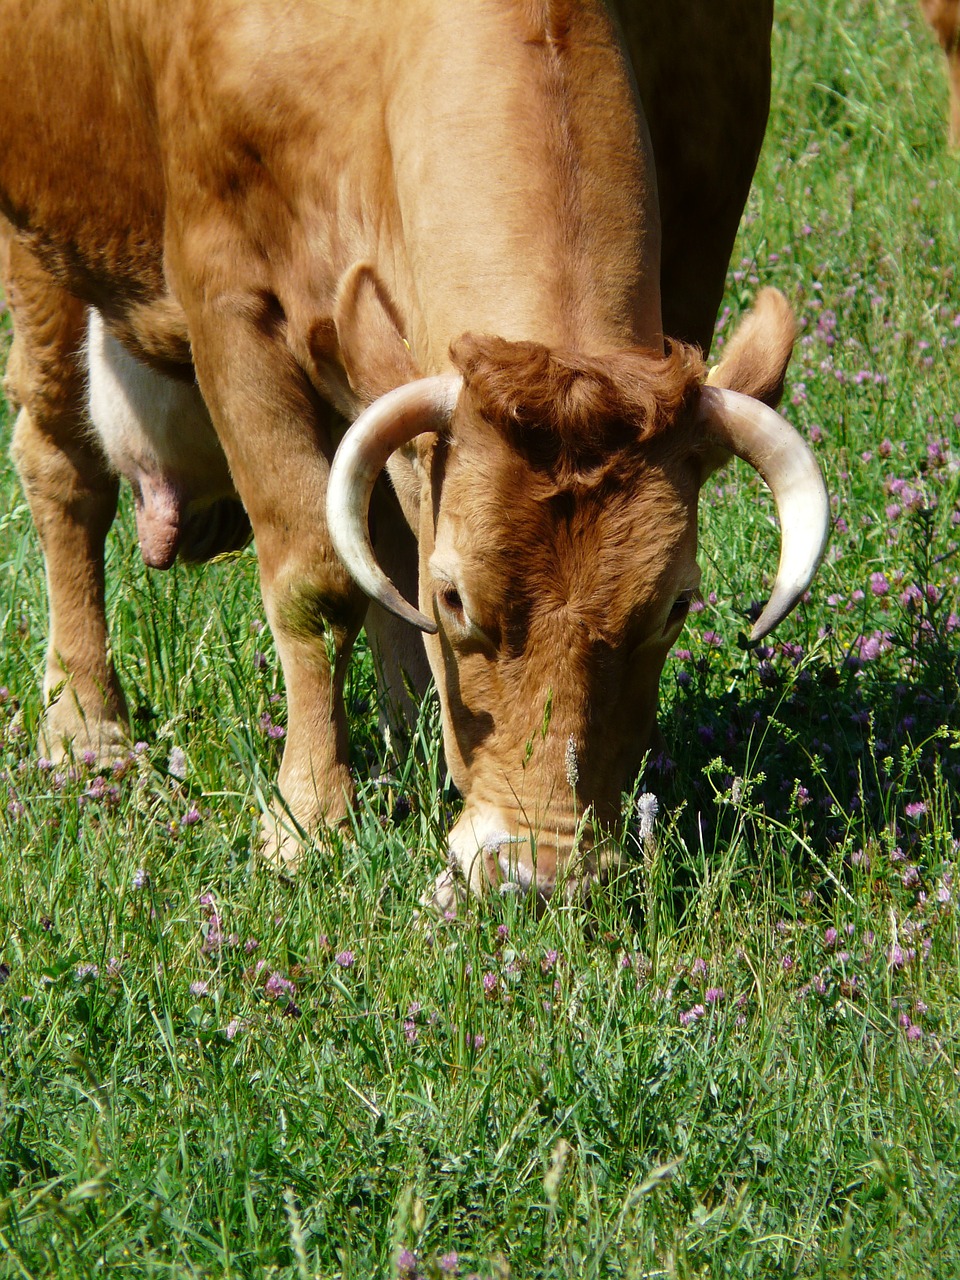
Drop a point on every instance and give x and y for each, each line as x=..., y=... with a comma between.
x=230, y=225
x=944, y=17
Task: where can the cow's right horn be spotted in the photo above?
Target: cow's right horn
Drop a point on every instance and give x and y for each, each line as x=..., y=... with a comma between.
x=757, y=434
x=391, y=421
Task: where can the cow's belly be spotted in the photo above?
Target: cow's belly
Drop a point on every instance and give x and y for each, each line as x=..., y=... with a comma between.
x=156, y=432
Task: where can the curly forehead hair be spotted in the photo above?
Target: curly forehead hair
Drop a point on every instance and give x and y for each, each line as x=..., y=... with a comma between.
x=565, y=409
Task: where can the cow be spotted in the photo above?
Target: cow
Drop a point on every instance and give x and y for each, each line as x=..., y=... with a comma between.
x=943, y=16
x=492, y=237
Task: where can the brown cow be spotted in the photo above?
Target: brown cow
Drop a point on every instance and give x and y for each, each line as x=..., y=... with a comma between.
x=944, y=17
x=232, y=224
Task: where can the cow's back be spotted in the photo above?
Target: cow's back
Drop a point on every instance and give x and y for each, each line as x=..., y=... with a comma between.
x=80, y=172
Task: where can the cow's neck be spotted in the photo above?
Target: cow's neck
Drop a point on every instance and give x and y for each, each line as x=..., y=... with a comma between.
x=525, y=194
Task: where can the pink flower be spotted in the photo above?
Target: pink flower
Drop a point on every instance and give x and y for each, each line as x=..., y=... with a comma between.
x=277, y=985
x=692, y=1015
x=345, y=959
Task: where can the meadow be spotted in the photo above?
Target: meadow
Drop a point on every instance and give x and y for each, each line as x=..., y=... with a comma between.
x=742, y=1060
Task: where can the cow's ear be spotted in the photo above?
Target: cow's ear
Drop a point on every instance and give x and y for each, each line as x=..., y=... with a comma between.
x=756, y=357
x=373, y=351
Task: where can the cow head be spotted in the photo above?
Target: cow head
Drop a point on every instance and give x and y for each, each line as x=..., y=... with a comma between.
x=558, y=537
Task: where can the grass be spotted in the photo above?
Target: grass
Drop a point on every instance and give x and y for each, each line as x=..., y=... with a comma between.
x=744, y=1062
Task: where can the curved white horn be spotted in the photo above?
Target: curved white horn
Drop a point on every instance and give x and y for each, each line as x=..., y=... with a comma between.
x=758, y=435
x=391, y=421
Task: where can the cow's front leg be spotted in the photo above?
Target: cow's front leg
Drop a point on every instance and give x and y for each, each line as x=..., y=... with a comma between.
x=279, y=439
x=314, y=783
x=73, y=499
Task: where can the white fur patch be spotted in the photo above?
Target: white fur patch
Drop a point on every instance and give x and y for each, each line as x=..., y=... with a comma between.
x=156, y=432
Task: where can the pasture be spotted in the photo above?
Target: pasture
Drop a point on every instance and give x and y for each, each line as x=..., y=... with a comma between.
x=743, y=1059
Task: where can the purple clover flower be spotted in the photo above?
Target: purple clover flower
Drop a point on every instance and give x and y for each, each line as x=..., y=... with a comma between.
x=692, y=1015
x=277, y=985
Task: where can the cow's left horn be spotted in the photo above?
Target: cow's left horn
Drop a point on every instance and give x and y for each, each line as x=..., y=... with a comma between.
x=758, y=435
x=391, y=421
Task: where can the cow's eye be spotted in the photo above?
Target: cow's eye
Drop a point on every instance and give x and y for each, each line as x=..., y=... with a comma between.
x=681, y=607
x=451, y=601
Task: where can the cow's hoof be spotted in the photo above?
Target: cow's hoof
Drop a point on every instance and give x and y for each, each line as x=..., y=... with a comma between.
x=281, y=845
x=100, y=743
x=448, y=896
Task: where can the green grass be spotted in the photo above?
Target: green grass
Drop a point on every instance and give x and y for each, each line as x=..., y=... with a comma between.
x=743, y=1060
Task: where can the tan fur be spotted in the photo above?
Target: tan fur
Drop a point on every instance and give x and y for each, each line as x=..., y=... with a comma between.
x=943, y=17
x=305, y=205
x=756, y=357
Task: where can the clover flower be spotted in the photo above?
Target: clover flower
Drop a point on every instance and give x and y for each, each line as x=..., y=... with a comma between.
x=648, y=806
x=571, y=763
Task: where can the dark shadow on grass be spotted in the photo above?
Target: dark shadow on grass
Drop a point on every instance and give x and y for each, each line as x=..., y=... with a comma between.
x=834, y=745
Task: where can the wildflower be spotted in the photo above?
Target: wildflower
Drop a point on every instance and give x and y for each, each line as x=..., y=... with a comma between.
x=269, y=728
x=491, y=984
x=410, y=1030
x=213, y=935
x=830, y=938
x=407, y=1266
x=177, y=763
x=692, y=1015
x=699, y=967
x=476, y=1042
x=571, y=763
x=786, y=963
x=713, y=995
x=648, y=806
x=345, y=959
x=916, y=809
x=233, y=1026
x=84, y=971
x=879, y=584
x=549, y=961
x=914, y=1032
x=191, y=817
x=198, y=988
x=895, y=957
x=450, y=1264
x=277, y=985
